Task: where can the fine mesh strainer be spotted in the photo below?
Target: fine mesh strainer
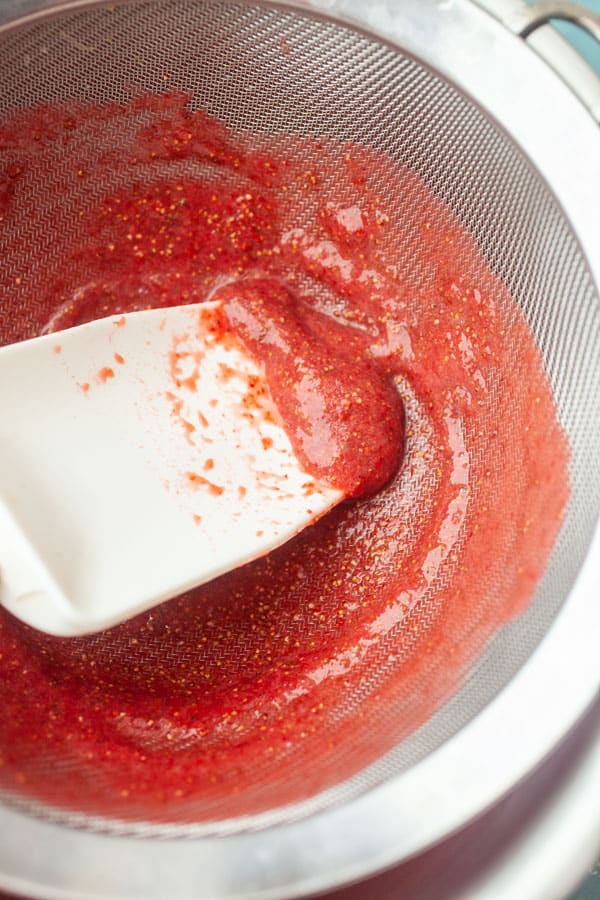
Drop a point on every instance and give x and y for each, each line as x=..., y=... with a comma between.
x=446, y=91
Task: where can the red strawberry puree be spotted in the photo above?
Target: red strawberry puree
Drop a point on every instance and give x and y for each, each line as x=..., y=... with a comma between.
x=405, y=373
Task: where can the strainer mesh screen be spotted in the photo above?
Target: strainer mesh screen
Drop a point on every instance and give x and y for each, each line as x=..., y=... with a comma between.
x=275, y=72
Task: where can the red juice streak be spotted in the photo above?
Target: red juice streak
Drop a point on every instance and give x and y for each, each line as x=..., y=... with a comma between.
x=341, y=642
x=104, y=374
x=200, y=481
x=343, y=413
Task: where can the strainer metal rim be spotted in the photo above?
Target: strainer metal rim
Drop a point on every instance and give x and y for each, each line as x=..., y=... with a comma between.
x=533, y=712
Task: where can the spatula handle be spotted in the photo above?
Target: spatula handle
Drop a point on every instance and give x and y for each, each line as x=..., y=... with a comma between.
x=27, y=589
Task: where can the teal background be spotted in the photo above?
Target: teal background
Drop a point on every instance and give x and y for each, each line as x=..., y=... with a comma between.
x=590, y=889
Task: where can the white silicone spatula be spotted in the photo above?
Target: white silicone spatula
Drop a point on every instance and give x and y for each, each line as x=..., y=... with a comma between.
x=139, y=456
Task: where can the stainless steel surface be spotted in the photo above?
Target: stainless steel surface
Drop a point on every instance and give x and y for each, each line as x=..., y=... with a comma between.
x=541, y=13
x=422, y=800
x=533, y=845
x=574, y=70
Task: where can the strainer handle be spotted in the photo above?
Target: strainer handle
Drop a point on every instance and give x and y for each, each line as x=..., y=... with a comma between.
x=542, y=13
x=530, y=23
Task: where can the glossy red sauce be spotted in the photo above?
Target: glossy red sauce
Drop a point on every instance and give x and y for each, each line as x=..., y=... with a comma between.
x=342, y=411
x=286, y=676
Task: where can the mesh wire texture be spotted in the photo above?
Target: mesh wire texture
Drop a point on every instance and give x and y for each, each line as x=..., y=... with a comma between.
x=346, y=86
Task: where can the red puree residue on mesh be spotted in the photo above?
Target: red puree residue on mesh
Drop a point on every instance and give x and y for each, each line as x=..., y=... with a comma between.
x=341, y=410
x=292, y=673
